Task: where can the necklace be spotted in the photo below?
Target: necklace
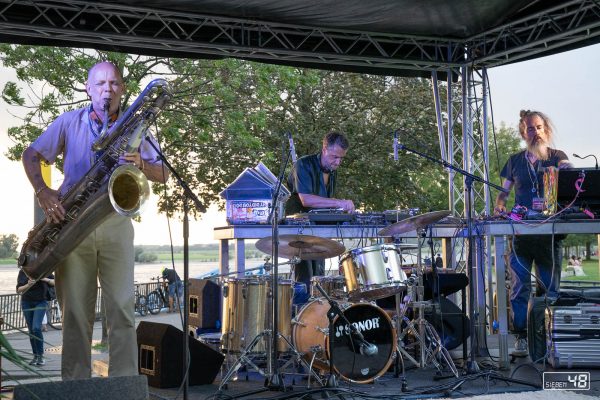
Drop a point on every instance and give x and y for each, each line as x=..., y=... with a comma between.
x=533, y=179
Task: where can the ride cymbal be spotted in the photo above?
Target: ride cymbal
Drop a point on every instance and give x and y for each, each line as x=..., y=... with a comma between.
x=305, y=247
x=413, y=223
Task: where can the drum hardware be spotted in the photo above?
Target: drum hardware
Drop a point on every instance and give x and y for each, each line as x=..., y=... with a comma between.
x=246, y=314
x=430, y=345
x=246, y=358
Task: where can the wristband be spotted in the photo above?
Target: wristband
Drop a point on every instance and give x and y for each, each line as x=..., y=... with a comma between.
x=143, y=165
x=40, y=190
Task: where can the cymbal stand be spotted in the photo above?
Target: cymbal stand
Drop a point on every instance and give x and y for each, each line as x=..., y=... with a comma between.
x=430, y=345
x=475, y=325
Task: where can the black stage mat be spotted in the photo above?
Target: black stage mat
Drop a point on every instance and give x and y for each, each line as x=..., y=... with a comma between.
x=420, y=383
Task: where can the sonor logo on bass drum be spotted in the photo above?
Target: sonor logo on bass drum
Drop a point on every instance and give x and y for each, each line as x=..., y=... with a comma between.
x=366, y=325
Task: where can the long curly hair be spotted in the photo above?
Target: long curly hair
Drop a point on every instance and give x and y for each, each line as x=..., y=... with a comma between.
x=548, y=125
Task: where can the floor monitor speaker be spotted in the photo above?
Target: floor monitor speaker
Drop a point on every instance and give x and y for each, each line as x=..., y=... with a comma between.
x=160, y=352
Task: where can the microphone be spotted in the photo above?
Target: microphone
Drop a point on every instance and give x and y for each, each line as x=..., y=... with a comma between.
x=589, y=155
x=368, y=349
x=396, y=145
x=292, y=147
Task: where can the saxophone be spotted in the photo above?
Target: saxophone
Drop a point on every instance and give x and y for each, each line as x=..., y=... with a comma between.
x=107, y=187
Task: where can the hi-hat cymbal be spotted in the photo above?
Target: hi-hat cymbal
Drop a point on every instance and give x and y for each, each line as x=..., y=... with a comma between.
x=413, y=223
x=305, y=247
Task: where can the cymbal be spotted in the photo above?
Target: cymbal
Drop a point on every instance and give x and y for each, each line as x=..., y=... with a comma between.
x=305, y=247
x=413, y=223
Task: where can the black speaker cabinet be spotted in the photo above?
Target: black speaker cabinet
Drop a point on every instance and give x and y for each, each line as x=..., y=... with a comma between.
x=449, y=322
x=204, y=301
x=160, y=352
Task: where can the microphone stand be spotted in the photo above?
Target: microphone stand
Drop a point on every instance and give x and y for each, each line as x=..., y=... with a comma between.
x=275, y=381
x=472, y=366
x=188, y=195
x=334, y=309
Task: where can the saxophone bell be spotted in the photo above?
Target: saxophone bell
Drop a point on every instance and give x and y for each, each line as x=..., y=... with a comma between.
x=128, y=190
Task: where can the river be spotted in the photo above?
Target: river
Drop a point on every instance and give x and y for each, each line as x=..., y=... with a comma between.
x=143, y=272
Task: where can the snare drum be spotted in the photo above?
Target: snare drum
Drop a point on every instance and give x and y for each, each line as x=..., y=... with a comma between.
x=310, y=337
x=334, y=286
x=246, y=313
x=373, y=272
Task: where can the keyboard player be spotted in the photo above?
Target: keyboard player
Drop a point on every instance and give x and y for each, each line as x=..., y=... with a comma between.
x=312, y=183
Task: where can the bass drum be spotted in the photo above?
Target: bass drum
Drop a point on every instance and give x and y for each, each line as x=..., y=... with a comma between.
x=309, y=335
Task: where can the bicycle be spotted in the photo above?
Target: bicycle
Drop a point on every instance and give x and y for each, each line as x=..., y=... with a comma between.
x=158, y=298
x=53, y=315
x=141, y=302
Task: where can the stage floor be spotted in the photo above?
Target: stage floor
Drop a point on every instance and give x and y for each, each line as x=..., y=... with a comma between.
x=523, y=376
x=420, y=383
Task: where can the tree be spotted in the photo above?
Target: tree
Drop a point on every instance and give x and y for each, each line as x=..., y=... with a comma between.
x=8, y=245
x=227, y=115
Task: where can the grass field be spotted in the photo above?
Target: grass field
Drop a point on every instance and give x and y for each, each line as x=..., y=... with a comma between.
x=591, y=269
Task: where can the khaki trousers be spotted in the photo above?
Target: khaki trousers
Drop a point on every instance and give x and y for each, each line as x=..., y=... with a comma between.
x=105, y=256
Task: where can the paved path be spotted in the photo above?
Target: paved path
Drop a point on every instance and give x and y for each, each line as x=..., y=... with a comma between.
x=13, y=374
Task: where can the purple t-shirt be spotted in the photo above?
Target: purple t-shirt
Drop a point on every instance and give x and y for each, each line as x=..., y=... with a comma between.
x=72, y=135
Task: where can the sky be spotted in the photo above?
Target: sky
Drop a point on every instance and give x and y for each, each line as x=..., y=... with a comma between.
x=564, y=86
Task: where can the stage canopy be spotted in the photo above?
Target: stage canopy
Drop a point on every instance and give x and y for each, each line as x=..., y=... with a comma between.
x=395, y=37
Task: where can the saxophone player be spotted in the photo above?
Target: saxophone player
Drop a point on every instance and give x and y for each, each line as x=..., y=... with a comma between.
x=107, y=254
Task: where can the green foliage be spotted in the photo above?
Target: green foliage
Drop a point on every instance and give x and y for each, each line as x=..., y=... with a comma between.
x=228, y=115
x=11, y=94
x=147, y=258
x=8, y=245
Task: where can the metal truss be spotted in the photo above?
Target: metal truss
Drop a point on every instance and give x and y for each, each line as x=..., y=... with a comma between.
x=183, y=34
x=466, y=107
x=135, y=29
x=537, y=34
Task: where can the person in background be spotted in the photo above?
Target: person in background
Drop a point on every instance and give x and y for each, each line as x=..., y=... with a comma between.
x=312, y=183
x=524, y=172
x=34, y=303
x=439, y=263
x=175, y=288
x=106, y=255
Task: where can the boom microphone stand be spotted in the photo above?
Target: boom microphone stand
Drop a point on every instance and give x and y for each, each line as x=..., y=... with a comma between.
x=188, y=195
x=472, y=366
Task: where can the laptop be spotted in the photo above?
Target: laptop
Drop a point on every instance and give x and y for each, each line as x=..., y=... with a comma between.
x=588, y=179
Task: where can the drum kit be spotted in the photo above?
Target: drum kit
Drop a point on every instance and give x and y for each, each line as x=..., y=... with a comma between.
x=360, y=340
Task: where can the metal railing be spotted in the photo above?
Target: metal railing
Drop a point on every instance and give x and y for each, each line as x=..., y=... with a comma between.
x=10, y=307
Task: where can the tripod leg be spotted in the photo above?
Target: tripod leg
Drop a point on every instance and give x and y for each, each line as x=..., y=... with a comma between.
x=299, y=358
x=439, y=349
x=400, y=342
x=243, y=360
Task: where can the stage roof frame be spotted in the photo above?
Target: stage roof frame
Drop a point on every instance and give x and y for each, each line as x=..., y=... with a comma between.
x=391, y=37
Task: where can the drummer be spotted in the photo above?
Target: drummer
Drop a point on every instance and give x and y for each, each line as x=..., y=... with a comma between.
x=313, y=183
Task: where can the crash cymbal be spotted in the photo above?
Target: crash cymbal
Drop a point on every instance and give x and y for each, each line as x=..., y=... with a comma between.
x=305, y=247
x=413, y=223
